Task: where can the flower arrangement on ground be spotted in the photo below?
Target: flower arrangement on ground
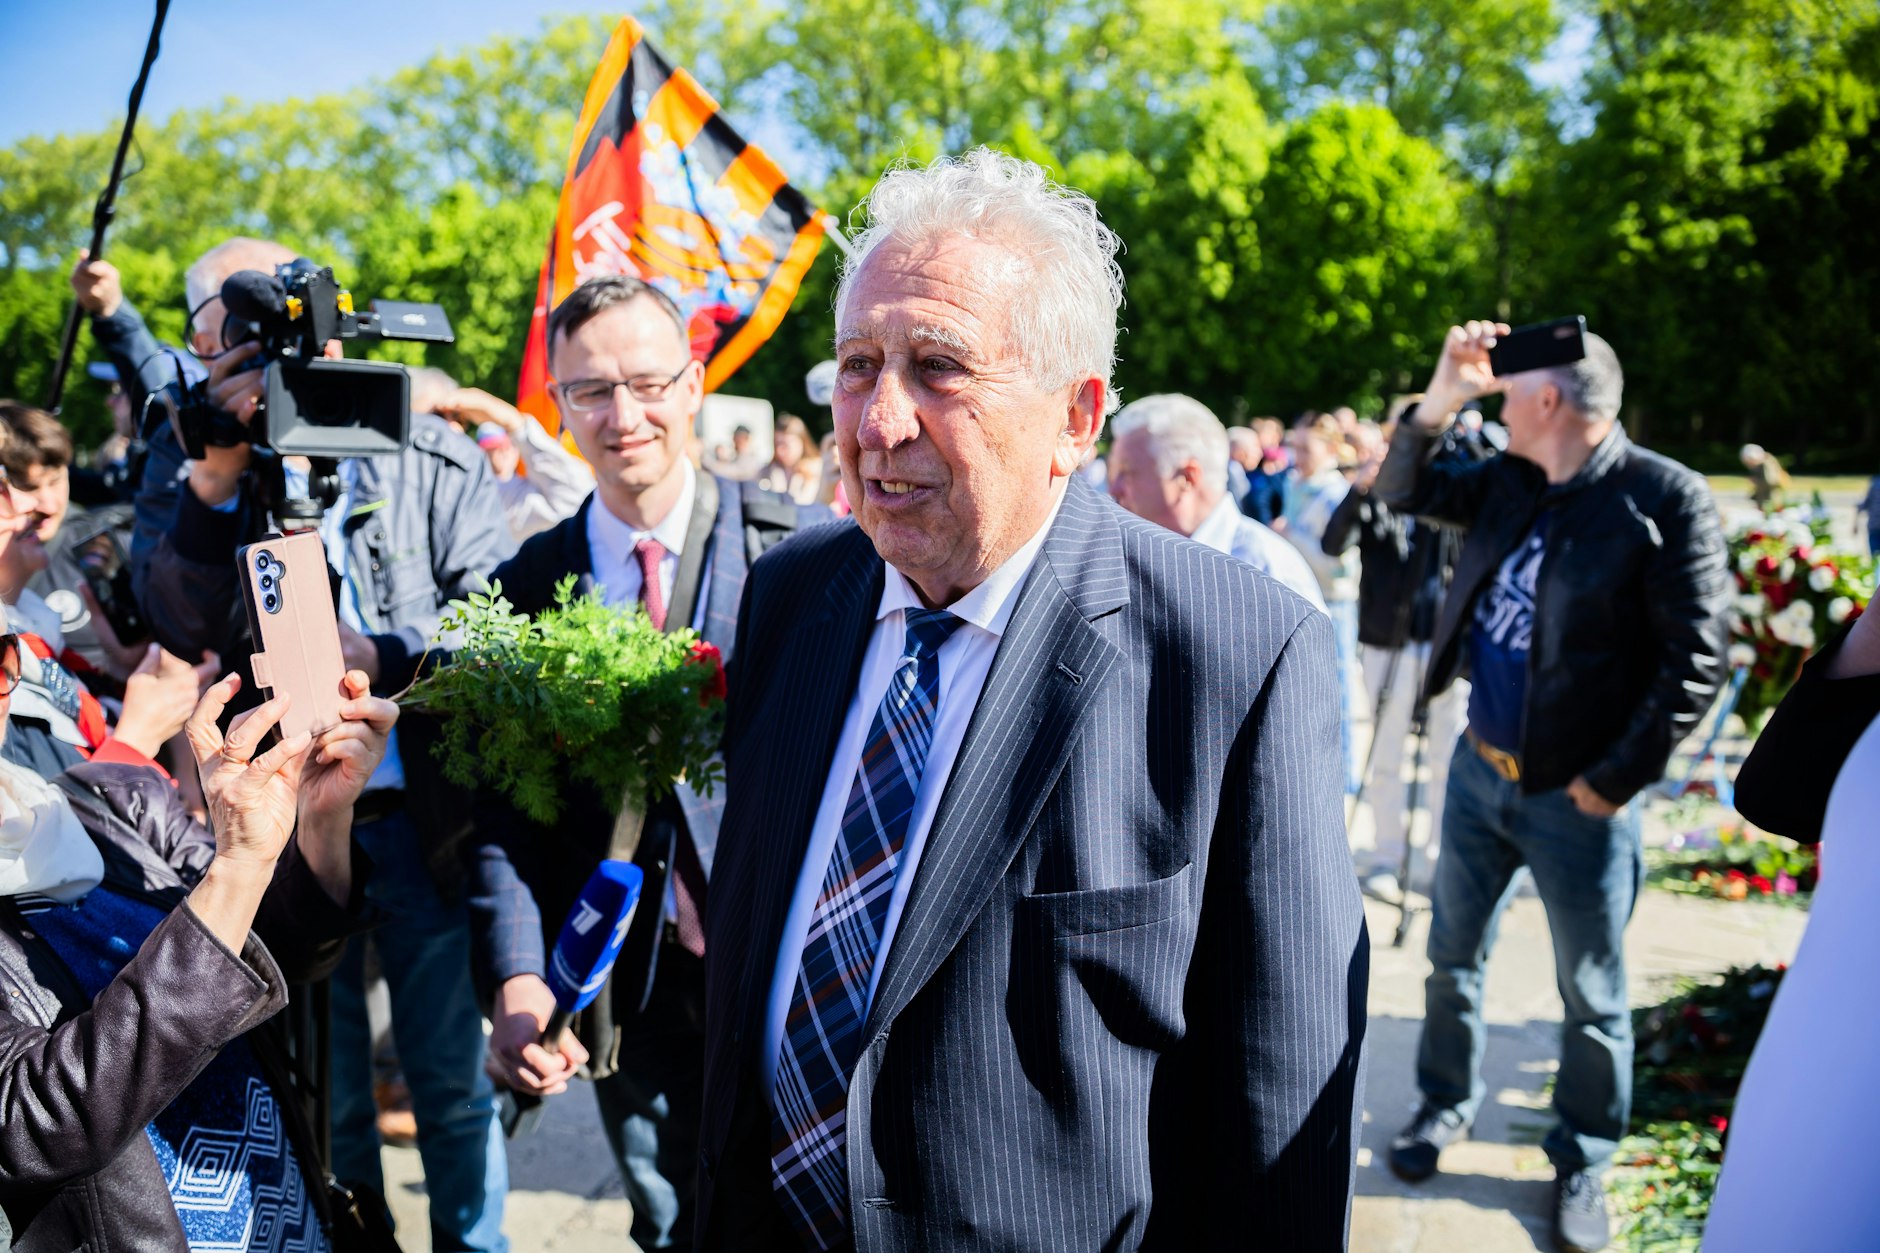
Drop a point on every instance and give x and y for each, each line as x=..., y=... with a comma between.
x=1690, y=1054
x=1793, y=591
x=1732, y=862
x=581, y=691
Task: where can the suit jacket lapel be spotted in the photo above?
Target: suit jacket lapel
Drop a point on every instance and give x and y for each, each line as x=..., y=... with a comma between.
x=1050, y=666
x=576, y=557
x=821, y=661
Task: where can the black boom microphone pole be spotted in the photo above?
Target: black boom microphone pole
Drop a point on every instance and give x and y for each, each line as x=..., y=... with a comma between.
x=106, y=207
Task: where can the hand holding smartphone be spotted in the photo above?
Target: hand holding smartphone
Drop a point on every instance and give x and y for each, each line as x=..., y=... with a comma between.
x=289, y=598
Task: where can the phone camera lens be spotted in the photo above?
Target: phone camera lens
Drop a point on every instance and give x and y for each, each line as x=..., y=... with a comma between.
x=267, y=582
x=272, y=601
x=263, y=559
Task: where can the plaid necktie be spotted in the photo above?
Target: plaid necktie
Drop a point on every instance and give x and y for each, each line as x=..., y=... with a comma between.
x=821, y=1032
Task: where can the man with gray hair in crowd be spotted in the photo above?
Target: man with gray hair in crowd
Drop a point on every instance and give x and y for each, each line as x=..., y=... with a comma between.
x=1033, y=925
x=1589, y=610
x=1169, y=464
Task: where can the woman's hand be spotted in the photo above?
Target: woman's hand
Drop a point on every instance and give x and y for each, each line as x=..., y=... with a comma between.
x=251, y=798
x=345, y=756
x=337, y=771
x=251, y=807
x=159, y=695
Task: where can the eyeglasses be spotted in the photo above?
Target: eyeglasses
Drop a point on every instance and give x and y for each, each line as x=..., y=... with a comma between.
x=585, y=394
x=9, y=664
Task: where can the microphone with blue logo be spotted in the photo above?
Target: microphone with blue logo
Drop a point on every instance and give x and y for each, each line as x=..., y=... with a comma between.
x=578, y=967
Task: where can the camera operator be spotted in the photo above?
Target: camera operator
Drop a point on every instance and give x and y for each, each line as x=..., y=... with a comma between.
x=410, y=532
x=1589, y=607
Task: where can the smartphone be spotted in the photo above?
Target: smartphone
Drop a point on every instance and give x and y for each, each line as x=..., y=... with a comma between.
x=1540, y=346
x=100, y=558
x=296, y=632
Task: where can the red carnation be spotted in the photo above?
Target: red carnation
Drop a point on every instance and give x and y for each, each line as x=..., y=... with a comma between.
x=1762, y=884
x=1779, y=594
x=1766, y=565
x=705, y=653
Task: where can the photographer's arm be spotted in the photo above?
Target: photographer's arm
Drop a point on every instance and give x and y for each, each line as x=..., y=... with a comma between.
x=1413, y=480
x=469, y=539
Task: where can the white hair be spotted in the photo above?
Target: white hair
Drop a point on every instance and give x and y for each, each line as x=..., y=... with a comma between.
x=1593, y=386
x=1068, y=286
x=1180, y=429
x=205, y=277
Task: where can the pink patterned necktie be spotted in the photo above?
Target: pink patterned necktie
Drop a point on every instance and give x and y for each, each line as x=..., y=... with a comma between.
x=650, y=553
x=688, y=875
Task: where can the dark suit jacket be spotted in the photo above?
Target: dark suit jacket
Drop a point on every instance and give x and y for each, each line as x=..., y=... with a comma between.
x=1125, y=1004
x=524, y=878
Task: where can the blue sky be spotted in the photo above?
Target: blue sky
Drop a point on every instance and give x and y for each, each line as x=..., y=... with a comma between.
x=70, y=63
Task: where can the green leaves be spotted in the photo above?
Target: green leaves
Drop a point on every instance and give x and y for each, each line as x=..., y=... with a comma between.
x=1310, y=191
x=581, y=691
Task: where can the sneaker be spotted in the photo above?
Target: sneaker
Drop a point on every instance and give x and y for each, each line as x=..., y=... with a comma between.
x=1414, y=1152
x=1381, y=885
x=1580, y=1222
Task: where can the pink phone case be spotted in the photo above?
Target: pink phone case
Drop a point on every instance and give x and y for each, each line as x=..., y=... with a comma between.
x=290, y=608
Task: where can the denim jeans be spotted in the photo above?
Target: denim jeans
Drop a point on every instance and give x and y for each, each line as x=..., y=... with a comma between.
x=652, y=1106
x=424, y=950
x=1587, y=871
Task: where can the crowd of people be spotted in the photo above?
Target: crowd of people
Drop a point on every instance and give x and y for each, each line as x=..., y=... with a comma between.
x=1029, y=913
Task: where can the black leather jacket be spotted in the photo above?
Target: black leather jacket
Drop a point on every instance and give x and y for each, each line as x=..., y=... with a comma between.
x=80, y=1079
x=1631, y=614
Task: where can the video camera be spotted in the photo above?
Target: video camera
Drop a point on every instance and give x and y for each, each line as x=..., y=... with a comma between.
x=313, y=407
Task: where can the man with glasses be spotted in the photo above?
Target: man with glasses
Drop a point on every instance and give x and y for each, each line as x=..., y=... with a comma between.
x=410, y=532
x=662, y=534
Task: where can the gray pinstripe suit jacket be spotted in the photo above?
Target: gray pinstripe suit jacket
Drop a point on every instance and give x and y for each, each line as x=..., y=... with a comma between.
x=1125, y=1005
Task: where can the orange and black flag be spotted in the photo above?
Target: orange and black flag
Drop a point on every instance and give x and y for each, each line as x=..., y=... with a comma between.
x=660, y=186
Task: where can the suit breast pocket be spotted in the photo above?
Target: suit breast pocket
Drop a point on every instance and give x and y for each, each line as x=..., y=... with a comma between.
x=1104, y=962
x=1097, y=911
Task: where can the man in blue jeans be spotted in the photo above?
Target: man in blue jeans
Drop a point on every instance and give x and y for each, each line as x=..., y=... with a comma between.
x=1589, y=613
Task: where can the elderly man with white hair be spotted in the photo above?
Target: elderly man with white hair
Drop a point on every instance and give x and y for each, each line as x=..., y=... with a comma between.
x=1032, y=921
x=1168, y=465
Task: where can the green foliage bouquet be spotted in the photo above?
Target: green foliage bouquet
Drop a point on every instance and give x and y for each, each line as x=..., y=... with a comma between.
x=580, y=691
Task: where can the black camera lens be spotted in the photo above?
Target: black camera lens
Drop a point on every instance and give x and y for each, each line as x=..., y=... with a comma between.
x=267, y=582
x=272, y=601
x=263, y=559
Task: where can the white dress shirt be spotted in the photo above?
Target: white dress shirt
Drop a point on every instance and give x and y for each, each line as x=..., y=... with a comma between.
x=611, y=543
x=1228, y=530
x=965, y=660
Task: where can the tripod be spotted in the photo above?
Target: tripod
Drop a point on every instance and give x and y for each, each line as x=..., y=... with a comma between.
x=1440, y=547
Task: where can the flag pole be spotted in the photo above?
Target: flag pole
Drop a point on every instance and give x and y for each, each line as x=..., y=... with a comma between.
x=833, y=228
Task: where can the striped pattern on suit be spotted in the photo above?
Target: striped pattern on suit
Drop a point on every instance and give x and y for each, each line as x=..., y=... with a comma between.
x=1125, y=1005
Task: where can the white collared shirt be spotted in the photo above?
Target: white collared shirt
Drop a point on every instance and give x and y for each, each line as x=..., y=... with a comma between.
x=1228, y=530
x=965, y=661
x=611, y=543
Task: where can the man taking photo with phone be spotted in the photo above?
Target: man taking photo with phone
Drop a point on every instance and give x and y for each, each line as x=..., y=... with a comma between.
x=1589, y=612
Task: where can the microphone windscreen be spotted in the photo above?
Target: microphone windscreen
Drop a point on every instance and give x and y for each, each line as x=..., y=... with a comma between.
x=254, y=296
x=591, y=937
